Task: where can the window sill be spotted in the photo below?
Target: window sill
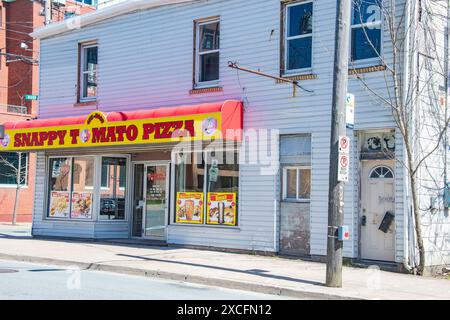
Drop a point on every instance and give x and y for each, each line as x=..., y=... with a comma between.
x=215, y=226
x=206, y=90
x=86, y=103
x=306, y=201
x=355, y=71
x=12, y=186
x=299, y=77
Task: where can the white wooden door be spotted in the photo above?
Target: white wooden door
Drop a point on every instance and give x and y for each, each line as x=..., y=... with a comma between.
x=377, y=198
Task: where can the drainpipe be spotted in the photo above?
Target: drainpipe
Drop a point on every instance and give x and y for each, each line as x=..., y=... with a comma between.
x=406, y=66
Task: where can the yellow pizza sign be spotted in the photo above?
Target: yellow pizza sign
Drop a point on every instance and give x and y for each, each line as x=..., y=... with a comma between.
x=97, y=131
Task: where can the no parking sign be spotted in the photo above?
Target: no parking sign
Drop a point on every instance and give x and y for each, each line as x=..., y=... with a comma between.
x=344, y=159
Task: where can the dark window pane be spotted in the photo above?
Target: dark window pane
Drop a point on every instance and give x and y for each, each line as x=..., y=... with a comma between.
x=189, y=175
x=300, y=19
x=209, y=67
x=112, y=197
x=209, y=37
x=9, y=162
x=366, y=11
x=299, y=53
x=91, y=58
x=364, y=41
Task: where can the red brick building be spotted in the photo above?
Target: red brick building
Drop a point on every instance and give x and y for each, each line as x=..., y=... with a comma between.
x=19, y=63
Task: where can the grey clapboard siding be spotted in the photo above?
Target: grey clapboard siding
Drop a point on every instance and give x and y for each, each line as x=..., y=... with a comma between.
x=145, y=61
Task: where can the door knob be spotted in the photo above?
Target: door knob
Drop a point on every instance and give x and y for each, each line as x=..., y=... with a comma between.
x=363, y=220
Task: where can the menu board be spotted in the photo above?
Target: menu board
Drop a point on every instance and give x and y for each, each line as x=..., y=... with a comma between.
x=59, y=204
x=81, y=205
x=189, y=208
x=221, y=208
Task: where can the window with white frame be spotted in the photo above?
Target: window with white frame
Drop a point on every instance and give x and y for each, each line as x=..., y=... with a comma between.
x=298, y=34
x=70, y=187
x=296, y=183
x=366, y=35
x=73, y=188
x=88, y=78
x=206, y=188
x=207, y=53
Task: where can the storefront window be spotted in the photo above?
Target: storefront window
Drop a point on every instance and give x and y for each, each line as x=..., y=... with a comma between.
x=82, y=188
x=189, y=185
x=222, y=188
x=206, y=196
x=71, y=187
x=59, y=187
x=113, y=190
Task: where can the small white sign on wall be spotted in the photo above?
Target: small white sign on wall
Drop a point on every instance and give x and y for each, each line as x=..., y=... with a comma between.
x=350, y=111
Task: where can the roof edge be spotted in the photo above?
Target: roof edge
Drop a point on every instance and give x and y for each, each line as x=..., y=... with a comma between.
x=89, y=18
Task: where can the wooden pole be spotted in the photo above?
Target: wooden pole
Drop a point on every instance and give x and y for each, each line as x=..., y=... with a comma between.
x=336, y=188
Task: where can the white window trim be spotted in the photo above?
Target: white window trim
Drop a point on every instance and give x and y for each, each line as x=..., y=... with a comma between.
x=297, y=199
x=83, y=47
x=370, y=61
x=204, y=84
x=308, y=70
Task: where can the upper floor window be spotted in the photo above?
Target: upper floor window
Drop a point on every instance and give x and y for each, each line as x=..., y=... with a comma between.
x=88, y=71
x=207, y=52
x=366, y=30
x=89, y=2
x=298, y=32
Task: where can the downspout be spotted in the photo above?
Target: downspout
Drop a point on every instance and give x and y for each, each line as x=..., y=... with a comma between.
x=406, y=78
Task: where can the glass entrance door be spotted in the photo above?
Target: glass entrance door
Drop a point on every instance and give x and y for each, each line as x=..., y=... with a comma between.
x=156, y=201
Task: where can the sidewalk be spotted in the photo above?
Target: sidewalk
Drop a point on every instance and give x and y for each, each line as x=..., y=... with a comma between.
x=271, y=275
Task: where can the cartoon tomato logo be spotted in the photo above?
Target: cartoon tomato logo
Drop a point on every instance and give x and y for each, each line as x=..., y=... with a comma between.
x=209, y=126
x=85, y=135
x=5, y=141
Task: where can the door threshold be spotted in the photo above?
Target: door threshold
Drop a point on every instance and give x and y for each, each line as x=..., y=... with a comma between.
x=383, y=265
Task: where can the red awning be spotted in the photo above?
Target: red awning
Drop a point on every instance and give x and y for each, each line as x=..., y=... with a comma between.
x=231, y=114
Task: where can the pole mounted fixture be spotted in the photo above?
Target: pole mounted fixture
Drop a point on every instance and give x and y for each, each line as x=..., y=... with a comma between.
x=234, y=65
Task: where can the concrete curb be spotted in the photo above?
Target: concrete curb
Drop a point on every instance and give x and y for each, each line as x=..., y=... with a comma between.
x=229, y=284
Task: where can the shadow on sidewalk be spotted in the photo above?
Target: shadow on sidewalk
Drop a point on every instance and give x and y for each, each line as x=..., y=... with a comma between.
x=257, y=272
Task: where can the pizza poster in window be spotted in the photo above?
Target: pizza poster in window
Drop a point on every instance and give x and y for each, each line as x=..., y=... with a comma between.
x=81, y=205
x=189, y=207
x=59, y=204
x=221, y=209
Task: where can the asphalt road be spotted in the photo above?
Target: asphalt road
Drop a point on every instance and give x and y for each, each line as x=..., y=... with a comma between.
x=41, y=282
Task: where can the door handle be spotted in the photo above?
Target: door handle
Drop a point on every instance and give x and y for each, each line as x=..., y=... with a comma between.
x=363, y=220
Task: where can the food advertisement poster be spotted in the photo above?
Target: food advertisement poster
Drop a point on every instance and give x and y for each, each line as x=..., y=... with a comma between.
x=81, y=205
x=59, y=204
x=221, y=209
x=189, y=207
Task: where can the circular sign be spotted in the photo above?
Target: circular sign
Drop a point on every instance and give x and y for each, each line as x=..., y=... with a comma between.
x=344, y=161
x=344, y=143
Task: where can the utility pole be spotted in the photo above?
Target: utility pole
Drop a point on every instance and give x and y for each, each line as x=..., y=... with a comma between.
x=338, y=128
x=48, y=12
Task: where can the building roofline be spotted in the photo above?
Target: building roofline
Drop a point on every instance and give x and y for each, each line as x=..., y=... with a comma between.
x=100, y=15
